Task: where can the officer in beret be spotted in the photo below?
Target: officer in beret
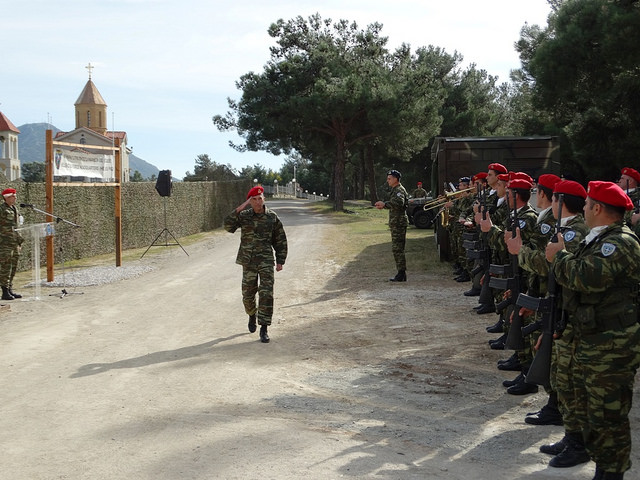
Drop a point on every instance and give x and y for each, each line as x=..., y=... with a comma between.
x=419, y=192
x=10, y=243
x=262, y=234
x=600, y=297
x=398, y=221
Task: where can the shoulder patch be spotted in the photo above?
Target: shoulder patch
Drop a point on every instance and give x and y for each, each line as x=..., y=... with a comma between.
x=522, y=223
x=399, y=194
x=545, y=228
x=570, y=235
x=607, y=249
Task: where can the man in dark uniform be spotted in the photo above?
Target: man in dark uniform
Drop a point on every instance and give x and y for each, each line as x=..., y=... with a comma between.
x=262, y=233
x=398, y=221
x=10, y=243
x=600, y=295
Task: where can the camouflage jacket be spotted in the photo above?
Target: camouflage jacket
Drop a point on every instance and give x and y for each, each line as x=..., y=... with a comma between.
x=260, y=235
x=600, y=280
x=526, y=218
x=8, y=223
x=397, y=205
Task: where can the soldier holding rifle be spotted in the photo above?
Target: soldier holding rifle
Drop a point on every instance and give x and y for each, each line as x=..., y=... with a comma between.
x=600, y=295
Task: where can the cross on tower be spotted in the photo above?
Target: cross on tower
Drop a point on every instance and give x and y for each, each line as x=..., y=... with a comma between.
x=89, y=68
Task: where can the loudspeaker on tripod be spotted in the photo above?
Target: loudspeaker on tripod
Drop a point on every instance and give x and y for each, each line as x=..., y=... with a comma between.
x=163, y=184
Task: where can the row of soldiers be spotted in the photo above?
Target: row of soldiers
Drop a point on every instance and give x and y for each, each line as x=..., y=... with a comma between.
x=563, y=280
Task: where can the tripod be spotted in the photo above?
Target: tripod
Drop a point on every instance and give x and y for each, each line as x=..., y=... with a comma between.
x=166, y=232
x=64, y=292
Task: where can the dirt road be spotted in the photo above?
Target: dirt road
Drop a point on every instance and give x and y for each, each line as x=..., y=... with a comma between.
x=157, y=377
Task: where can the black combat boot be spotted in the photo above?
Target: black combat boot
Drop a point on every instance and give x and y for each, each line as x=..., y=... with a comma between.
x=522, y=387
x=15, y=295
x=612, y=476
x=599, y=473
x=252, y=323
x=512, y=364
x=496, y=327
x=555, y=448
x=264, y=337
x=6, y=295
x=547, y=415
x=401, y=276
x=573, y=454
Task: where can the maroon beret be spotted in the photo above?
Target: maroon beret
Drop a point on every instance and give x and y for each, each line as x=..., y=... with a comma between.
x=630, y=172
x=520, y=176
x=255, y=191
x=569, y=187
x=503, y=177
x=609, y=193
x=548, y=180
x=479, y=176
x=498, y=167
x=8, y=191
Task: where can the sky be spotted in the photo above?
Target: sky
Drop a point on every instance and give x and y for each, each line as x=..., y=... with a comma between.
x=166, y=67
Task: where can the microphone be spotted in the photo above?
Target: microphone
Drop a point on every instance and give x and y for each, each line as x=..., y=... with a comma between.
x=25, y=205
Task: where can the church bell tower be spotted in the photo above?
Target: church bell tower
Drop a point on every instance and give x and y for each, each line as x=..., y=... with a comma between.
x=91, y=109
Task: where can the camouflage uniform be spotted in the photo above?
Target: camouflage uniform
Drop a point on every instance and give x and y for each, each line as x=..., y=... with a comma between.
x=10, y=240
x=398, y=221
x=573, y=232
x=419, y=193
x=261, y=234
x=600, y=282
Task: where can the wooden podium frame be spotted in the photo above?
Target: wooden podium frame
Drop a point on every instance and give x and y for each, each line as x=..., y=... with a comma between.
x=49, y=184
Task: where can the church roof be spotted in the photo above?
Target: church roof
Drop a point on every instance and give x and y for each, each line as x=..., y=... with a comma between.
x=90, y=95
x=6, y=125
x=108, y=134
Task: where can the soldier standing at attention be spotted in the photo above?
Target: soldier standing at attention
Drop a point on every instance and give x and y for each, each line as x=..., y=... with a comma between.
x=398, y=221
x=419, y=192
x=262, y=233
x=10, y=242
x=600, y=294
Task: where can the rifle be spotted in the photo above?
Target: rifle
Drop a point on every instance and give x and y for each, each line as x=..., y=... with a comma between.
x=539, y=371
x=515, y=340
x=486, y=296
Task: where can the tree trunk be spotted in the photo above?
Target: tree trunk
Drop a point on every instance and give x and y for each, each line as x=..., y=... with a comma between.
x=338, y=175
x=371, y=174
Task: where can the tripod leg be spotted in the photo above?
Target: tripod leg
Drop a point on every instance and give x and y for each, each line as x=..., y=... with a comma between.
x=177, y=242
x=155, y=240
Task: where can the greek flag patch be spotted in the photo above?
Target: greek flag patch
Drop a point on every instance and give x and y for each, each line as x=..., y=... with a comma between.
x=545, y=228
x=570, y=235
x=522, y=224
x=607, y=249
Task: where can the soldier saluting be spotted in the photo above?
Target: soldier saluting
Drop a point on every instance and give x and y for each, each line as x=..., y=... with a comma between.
x=262, y=233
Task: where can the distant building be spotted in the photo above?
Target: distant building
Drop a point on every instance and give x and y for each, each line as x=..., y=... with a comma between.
x=9, y=161
x=91, y=127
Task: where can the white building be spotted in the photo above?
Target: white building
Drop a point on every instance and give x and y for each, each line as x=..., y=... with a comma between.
x=9, y=160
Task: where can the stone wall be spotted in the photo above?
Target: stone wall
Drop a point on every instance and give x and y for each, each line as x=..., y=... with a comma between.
x=193, y=207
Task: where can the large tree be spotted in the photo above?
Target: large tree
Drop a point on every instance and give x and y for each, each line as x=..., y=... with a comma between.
x=331, y=88
x=584, y=69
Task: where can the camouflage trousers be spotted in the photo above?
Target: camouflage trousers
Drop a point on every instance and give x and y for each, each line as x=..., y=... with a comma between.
x=602, y=370
x=258, y=281
x=398, y=241
x=562, y=380
x=8, y=264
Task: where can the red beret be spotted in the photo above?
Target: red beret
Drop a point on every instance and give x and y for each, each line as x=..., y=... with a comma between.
x=520, y=176
x=255, y=191
x=498, y=167
x=479, y=176
x=419, y=184
x=503, y=177
x=630, y=172
x=569, y=187
x=8, y=191
x=548, y=180
x=609, y=193
x=520, y=183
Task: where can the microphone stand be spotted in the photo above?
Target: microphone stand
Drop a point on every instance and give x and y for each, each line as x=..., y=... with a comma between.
x=58, y=220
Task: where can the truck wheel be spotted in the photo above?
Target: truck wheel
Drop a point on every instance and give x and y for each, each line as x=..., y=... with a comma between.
x=423, y=219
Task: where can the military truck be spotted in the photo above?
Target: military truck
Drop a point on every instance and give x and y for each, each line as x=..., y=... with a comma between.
x=453, y=158
x=418, y=216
